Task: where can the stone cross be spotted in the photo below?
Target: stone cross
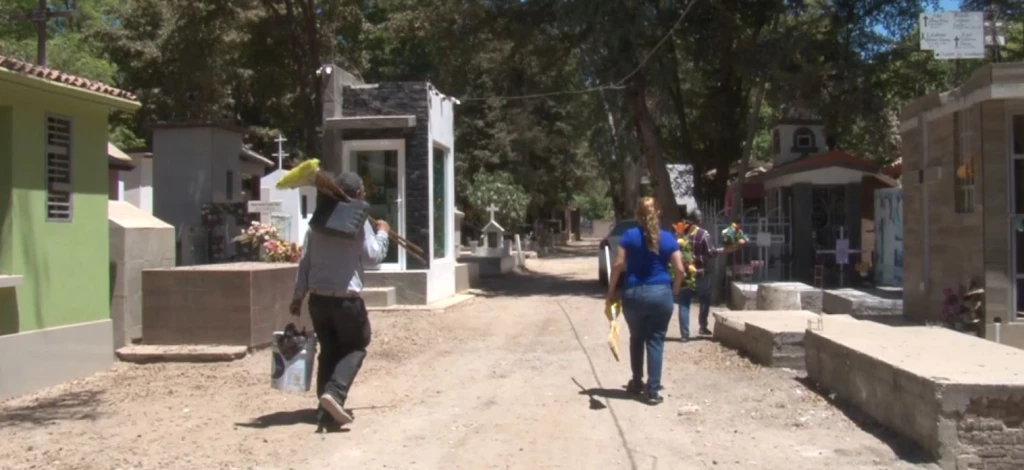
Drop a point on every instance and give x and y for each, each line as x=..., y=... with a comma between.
x=492, y=209
x=280, y=150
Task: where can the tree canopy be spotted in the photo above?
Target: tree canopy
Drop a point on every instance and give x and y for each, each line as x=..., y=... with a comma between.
x=571, y=101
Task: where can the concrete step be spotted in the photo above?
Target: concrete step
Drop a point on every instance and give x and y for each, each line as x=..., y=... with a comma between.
x=467, y=276
x=377, y=297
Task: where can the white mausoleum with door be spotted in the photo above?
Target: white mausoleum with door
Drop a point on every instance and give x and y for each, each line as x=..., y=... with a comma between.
x=399, y=137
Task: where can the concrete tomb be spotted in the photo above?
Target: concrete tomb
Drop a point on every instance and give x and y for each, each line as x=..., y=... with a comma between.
x=138, y=241
x=238, y=304
x=491, y=254
x=959, y=397
x=775, y=296
x=884, y=305
x=770, y=338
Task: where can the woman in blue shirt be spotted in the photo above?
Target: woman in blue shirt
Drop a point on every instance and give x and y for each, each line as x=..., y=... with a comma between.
x=643, y=259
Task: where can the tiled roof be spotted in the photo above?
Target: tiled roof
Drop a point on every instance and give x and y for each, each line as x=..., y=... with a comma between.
x=56, y=76
x=832, y=158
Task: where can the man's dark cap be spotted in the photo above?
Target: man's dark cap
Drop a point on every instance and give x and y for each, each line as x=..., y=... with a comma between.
x=350, y=182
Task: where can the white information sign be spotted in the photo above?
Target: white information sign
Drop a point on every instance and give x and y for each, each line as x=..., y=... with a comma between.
x=842, y=251
x=265, y=207
x=953, y=35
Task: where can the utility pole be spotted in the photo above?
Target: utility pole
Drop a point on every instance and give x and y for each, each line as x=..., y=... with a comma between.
x=994, y=30
x=41, y=17
x=280, y=150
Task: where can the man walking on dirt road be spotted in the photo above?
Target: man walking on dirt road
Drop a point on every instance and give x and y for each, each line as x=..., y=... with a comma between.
x=331, y=272
x=703, y=253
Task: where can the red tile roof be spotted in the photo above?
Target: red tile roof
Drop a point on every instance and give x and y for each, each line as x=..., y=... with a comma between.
x=832, y=158
x=56, y=76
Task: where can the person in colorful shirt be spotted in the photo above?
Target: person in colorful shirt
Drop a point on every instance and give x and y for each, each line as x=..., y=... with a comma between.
x=703, y=254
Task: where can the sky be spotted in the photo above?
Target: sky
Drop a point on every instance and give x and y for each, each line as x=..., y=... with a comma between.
x=949, y=5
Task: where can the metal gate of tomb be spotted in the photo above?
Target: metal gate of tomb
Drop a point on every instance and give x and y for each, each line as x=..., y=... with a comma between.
x=768, y=255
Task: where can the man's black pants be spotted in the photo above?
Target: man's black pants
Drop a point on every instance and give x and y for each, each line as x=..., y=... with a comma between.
x=343, y=328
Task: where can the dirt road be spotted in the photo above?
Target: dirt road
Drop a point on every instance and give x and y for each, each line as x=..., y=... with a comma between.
x=490, y=384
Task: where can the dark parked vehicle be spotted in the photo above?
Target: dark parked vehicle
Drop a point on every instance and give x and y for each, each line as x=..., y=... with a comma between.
x=612, y=242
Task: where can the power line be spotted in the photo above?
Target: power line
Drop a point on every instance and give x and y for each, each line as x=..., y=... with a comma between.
x=660, y=43
x=617, y=86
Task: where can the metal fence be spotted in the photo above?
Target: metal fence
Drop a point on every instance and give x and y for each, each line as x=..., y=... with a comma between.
x=768, y=255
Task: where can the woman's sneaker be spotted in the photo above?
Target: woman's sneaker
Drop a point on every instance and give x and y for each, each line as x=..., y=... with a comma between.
x=653, y=399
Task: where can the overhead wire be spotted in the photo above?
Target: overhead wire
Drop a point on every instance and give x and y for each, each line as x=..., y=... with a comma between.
x=618, y=85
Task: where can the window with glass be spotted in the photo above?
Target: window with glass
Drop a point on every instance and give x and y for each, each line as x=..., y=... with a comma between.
x=966, y=124
x=440, y=202
x=382, y=189
x=1017, y=153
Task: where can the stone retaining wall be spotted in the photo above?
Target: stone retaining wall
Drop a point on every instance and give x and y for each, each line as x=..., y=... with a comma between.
x=960, y=398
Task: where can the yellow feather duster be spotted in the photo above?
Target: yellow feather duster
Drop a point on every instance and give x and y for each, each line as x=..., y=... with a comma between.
x=302, y=175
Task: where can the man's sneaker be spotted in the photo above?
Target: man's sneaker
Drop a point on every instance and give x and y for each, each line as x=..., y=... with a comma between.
x=635, y=387
x=333, y=407
x=705, y=331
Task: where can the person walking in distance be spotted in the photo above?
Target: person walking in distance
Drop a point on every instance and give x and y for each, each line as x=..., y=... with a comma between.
x=643, y=259
x=331, y=272
x=703, y=253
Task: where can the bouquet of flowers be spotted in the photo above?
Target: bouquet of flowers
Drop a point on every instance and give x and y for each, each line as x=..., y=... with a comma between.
x=683, y=234
x=275, y=250
x=732, y=235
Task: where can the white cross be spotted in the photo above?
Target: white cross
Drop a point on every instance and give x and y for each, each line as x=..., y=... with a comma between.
x=492, y=209
x=280, y=150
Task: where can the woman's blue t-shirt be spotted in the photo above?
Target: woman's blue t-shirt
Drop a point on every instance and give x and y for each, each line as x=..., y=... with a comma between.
x=642, y=266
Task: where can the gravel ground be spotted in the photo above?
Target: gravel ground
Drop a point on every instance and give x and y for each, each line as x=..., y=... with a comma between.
x=519, y=377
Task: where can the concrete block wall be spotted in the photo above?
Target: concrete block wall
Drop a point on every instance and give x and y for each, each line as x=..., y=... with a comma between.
x=962, y=423
x=953, y=238
x=992, y=192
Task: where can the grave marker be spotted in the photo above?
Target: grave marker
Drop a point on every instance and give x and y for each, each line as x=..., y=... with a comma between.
x=266, y=209
x=842, y=253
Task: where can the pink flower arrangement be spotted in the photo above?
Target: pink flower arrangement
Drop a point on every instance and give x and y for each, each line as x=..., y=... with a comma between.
x=275, y=250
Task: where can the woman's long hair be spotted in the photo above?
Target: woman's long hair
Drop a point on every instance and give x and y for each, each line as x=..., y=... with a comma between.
x=647, y=216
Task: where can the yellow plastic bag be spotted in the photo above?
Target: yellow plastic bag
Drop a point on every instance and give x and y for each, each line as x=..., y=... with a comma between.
x=612, y=311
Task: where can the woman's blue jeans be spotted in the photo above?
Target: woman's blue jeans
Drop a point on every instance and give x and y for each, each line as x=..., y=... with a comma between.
x=648, y=311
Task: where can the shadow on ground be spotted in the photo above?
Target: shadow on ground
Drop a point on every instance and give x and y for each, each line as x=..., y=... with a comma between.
x=525, y=283
x=282, y=418
x=904, y=448
x=577, y=250
x=72, y=406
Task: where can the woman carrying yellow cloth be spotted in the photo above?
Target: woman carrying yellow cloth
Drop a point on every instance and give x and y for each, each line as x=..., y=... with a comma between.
x=643, y=260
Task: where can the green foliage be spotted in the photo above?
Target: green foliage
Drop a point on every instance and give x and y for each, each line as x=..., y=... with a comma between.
x=500, y=189
x=594, y=202
x=253, y=64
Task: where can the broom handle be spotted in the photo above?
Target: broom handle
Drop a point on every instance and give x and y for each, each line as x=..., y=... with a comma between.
x=325, y=183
